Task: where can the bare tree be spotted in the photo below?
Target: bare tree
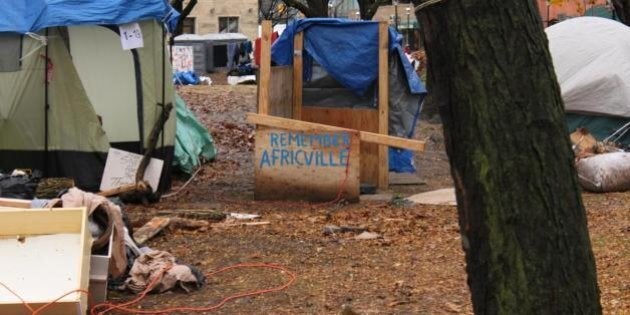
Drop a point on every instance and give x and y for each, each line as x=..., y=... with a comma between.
x=275, y=11
x=367, y=8
x=310, y=8
x=184, y=11
x=622, y=10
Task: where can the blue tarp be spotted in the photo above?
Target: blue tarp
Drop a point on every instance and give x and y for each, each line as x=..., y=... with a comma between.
x=22, y=16
x=346, y=49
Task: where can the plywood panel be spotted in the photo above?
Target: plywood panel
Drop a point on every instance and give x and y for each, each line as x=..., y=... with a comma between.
x=281, y=92
x=312, y=166
x=359, y=119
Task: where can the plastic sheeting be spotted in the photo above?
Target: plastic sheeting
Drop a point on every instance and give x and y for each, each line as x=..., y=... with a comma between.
x=193, y=143
x=591, y=57
x=348, y=50
x=22, y=16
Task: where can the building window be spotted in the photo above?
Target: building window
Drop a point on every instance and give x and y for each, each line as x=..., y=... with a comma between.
x=188, y=26
x=228, y=24
x=10, y=52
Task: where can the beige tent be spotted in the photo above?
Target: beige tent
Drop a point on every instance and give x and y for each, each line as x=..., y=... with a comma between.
x=52, y=105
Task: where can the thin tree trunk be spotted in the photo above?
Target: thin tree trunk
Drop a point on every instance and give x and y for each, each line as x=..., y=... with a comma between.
x=622, y=10
x=521, y=215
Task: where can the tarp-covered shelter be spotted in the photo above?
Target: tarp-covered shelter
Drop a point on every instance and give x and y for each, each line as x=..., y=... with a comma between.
x=591, y=58
x=341, y=69
x=68, y=91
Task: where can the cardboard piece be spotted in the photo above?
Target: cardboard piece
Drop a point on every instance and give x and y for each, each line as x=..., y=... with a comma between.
x=121, y=167
x=131, y=36
x=183, y=58
x=437, y=197
x=306, y=165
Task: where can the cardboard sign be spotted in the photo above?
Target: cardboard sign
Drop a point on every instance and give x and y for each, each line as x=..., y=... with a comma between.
x=121, y=167
x=183, y=58
x=131, y=36
x=314, y=165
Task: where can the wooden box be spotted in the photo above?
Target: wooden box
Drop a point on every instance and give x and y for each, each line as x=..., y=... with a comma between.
x=99, y=271
x=45, y=254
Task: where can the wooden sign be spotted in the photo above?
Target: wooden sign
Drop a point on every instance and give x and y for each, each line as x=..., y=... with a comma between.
x=183, y=58
x=306, y=165
x=121, y=167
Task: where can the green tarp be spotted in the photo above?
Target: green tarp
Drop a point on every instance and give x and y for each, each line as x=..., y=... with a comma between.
x=193, y=143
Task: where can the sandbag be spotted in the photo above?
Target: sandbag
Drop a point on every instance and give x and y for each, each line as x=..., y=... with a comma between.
x=605, y=172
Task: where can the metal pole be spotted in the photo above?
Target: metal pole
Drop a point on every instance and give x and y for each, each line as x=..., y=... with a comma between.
x=408, y=28
x=396, y=14
x=46, y=107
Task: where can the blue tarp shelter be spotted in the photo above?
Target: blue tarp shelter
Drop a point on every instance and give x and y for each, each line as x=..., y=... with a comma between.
x=341, y=67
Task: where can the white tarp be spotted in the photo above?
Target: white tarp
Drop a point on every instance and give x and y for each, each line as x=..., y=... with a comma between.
x=591, y=58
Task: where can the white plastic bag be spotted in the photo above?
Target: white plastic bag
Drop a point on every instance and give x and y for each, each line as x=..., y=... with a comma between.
x=605, y=172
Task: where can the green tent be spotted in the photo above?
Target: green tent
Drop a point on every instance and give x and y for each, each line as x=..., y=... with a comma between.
x=62, y=105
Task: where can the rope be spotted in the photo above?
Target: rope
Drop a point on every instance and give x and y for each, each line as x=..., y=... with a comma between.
x=125, y=307
x=45, y=306
x=426, y=4
x=621, y=131
x=43, y=41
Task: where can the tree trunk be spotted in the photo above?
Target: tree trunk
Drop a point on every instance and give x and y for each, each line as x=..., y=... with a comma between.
x=521, y=216
x=622, y=10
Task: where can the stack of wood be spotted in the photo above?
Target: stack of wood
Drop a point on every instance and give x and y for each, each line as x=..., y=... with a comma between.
x=50, y=188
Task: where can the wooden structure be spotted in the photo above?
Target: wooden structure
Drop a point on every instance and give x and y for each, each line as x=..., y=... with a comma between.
x=45, y=254
x=280, y=95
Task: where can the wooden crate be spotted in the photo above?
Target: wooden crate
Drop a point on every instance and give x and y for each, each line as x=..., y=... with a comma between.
x=45, y=254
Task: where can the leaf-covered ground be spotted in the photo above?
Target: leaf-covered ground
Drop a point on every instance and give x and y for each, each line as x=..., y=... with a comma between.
x=417, y=267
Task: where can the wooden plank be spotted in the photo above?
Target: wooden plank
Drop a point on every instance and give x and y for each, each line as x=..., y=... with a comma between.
x=281, y=92
x=383, y=103
x=38, y=221
x=358, y=119
x=265, y=68
x=313, y=165
x=150, y=229
x=298, y=66
x=15, y=203
x=370, y=137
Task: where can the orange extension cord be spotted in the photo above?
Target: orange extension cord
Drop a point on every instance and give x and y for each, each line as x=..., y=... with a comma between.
x=125, y=307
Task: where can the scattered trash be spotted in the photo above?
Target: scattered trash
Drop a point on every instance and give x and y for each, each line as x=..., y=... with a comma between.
x=368, y=236
x=437, y=197
x=333, y=229
x=605, y=172
x=150, y=229
x=189, y=224
x=163, y=265
x=399, y=201
x=243, y=216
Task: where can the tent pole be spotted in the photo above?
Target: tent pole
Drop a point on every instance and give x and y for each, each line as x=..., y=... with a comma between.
x=46, y=108
x=163, y=86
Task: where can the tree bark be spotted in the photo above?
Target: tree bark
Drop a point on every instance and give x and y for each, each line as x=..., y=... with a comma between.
x=622, y=10
x=521, y=216
x=312, y=8
x=367, y=8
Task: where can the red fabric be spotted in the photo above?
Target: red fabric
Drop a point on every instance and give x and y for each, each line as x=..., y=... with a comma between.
x=274, y=37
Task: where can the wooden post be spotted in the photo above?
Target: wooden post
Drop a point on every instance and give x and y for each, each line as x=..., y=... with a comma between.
x=265, y=69
x=298, y=45
x=383, y=103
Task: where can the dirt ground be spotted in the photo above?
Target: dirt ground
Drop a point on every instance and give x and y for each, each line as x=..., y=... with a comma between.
x=417, y=267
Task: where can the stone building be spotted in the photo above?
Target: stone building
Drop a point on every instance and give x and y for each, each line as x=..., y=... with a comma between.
x=221, y=16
